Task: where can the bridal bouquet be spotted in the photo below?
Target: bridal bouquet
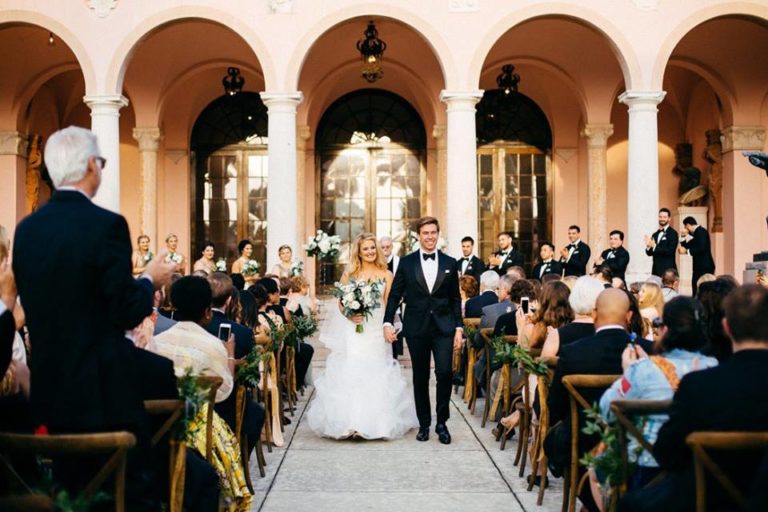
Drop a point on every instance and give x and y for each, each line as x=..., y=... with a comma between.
x=250, y=268
x=297, y=268
x=221, y=265
x=358, y=298
x=323, y=245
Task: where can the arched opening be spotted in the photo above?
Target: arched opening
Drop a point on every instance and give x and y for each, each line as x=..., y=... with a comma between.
x=229, y=182
x=371, y=153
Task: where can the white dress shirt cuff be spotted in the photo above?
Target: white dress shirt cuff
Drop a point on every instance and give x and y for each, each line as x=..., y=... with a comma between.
x=3, y=307
x=148, y=278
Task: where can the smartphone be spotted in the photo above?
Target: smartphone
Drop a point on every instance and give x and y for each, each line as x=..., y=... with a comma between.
x=524, y=303
x=224, y=331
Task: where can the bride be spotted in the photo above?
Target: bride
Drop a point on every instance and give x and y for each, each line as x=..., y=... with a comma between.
x=362, y=392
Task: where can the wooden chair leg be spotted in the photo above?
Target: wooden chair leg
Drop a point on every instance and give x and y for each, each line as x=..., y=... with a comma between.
x=524, y=433
x=260, y=458
x=543, y=478
x=244, y=458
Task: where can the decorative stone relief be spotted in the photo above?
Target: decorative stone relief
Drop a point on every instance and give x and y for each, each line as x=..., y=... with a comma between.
x=566, y=154
x=463, y=5
x=33, y=178
x=175, y=154
x=647, y=5
x=281, y=6
x=102, y=7
x=737, y=138
x=13, y=143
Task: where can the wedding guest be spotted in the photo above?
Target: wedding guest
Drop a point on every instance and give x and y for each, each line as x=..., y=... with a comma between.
x=283, y=267
x=582, y=300
x=488, y=319
x=506, y=324
x=695, y=241
x=670, y=283
x=554, y=311
x=662, y=244
x=727, y=398
x=5, y=245
x=238, y=281
x=575, y=256
x=616, y=257
x=245, y=250
x=636, y=323
x=603, y=274
x=569, y=281
x=706, y=278
x=206, y=263
x=547, y=264
x=651, y=303
x=507, y=256
x=712, y=294
x=468, y=288
x=387, y=246
x=516, y=271
x=299, y=298
x=141, y=256
x=470, y=265
x=284, y=283
x=173, y=254
x=489, y=282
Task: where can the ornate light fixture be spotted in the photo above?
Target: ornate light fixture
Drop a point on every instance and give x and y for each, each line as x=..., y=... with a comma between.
x=233, y=82
x=508, y=79
x=371, y=50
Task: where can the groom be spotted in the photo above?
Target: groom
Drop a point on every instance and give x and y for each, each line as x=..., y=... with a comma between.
x=427, y=281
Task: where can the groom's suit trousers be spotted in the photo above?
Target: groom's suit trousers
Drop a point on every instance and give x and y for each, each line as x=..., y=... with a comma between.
x=420, y=348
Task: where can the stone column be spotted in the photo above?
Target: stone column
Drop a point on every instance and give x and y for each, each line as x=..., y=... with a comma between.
x=642, y=177
x=597, y=172
x=461, y=167
x=13, y=159
x=149, y=141
x=307, y=200
x=282, y=198
x=105, y=123
x=743, y=205
x=440, y=155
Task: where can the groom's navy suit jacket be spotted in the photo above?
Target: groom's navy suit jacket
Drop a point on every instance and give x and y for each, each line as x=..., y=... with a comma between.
x=442, y=305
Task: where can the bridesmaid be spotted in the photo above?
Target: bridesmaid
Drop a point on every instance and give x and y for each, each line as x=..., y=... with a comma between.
x=141, y=256
x=206, y=262
x=172, y=245
x=283, y=268
x=245, y=248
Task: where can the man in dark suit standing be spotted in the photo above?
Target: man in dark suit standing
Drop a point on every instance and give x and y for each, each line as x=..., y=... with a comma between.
x=616, y=257
x=428, y=281
x=662, y=245
x=727, y=398
x=696, y=242
x=469, y=264
x=547, y=263
x=575, y=256
x=506, y=256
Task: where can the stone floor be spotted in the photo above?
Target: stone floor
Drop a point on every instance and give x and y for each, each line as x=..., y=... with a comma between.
x=315, y=474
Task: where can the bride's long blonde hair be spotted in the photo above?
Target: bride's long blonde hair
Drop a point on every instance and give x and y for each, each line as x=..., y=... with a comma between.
x=356, y=261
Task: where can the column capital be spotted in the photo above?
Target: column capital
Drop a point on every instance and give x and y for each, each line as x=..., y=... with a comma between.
x=439, y=133
x=282, y=101
x=597, y=134
x=148, y=138
x=461, y=100
x=105, y=103
x=14, y=143
x=748, y=138
x=642, y=100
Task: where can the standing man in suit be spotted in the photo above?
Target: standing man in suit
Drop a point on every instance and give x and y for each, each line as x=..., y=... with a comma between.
x=469, y=264
x=662, y=245
x=428, y=281
x=696, y=242
x=547, y=264
x=616, y=257
x=575, y=256
x=506, y=256
x=393, y=262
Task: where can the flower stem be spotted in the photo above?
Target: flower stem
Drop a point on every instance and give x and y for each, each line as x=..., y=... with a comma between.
x=359, y=328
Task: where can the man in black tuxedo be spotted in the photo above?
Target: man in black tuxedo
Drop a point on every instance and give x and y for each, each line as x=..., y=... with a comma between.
x=696, y=242
x=662, y=245
x=506, y=256
x=575, y=256
x=393, y=261
x=469, y=264
x=428, y=281
x=727, y=398
x=547, y=263
x=616, y=257
x=489, y=282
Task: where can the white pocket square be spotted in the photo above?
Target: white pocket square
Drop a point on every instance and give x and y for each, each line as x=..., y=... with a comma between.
x=447, y=271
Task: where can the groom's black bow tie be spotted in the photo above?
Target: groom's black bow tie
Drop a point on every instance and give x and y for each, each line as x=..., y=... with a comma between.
x=428, y=256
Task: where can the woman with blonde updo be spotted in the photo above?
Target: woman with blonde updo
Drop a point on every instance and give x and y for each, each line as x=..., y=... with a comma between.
x=141, y=256
x=172, y=246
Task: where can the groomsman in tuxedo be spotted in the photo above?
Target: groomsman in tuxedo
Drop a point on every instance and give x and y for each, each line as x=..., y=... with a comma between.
x=696, y=242
x=662, y=245
x=547, y=265
x=616, y=257
x=469, y=264
x=575, y=256
x=393, y=261
x=506, y=256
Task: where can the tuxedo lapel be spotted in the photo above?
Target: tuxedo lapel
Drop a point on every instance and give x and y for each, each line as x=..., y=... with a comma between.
x=419, y=272
x=441, y=268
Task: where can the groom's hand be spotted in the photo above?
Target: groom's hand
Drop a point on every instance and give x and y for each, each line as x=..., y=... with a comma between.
x=389, y=334
x=458, y=339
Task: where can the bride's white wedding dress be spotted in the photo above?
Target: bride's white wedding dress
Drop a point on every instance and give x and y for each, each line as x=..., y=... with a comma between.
x=362, y=391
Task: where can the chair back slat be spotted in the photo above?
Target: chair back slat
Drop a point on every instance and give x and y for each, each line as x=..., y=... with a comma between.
x=213, y=383
x=625, y=409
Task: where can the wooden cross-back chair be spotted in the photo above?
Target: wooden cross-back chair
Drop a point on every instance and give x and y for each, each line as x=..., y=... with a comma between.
x=172, y=409
x=572, y=384
x=212, y=383
x=268, y=398
x=241, y=402
x=470, y=385
x=503, y=390
x=524, y=406
x=703, y=443
x=538, y=457
x=115, y=443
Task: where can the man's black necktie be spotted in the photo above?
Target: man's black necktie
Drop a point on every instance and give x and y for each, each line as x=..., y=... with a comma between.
x=428, y=256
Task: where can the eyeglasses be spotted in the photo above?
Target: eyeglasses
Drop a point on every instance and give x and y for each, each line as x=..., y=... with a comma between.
x=657, y=322
x=101, y=160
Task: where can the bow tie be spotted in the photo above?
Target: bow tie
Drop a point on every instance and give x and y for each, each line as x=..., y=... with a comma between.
x=465, y=259
x=428, y=256
x=574, y=245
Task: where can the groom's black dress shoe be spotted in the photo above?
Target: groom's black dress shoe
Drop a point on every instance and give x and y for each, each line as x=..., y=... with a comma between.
x=442, y=433
x=423, y=434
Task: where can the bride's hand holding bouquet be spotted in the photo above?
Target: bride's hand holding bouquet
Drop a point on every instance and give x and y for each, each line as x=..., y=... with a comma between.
x=358, y=299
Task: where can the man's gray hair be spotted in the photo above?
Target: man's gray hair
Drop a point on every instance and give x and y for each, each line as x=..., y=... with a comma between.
x=489, y=280
x=67, y=152
x=584, y=295
x=385, y=238
x=506, y=281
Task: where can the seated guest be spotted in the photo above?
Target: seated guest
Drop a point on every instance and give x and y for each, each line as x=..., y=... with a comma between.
x=582, y=300
x=599, y=354
x=491, y=314
x=604, y=274
x=284, y=284
x=271, y=285
x=238, y=281
x=651, y=303
x=711, y=294
x=657, y=378
x=636, y=324
x=553, y=311
x=727, y=398
x=516, y=272
x=506, y=324
x=468, y=288
x=489, y=281
x=299, y=298
x=670, y=282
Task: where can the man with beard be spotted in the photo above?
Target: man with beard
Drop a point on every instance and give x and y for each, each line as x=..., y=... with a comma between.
x=661, y=245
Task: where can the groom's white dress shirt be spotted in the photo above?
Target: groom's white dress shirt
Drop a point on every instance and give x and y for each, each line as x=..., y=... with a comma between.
x=429, y=268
